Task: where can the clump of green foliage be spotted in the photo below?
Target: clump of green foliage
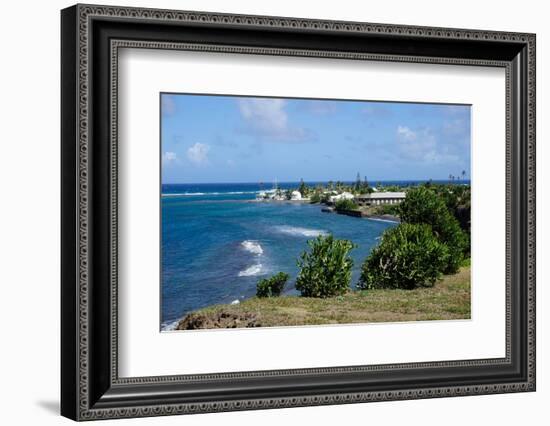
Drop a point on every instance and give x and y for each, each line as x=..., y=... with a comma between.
x=345, y=205
x=315, y=198
x=303, y=188
x=424, y=206
x=392, y=209
x=361, y=186
x=273, y=286
x=409, y=256
x=325, y=270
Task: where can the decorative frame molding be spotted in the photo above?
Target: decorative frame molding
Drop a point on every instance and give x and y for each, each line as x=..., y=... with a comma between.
x=91, y=37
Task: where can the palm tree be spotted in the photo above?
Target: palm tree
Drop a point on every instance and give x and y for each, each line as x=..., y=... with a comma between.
x=463, y=174
x=303, y=188
x=358, y=182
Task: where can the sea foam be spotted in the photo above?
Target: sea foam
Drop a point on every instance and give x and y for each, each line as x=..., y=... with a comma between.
x=252, y=247
x=194, y=194
x=169, y=326
x=184, y=194
x=251, y=271
x=300, y=232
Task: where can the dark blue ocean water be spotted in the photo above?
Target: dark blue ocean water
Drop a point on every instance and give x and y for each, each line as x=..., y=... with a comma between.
x=217, y=242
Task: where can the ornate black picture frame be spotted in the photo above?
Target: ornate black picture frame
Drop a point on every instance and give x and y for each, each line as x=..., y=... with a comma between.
x=91, y=36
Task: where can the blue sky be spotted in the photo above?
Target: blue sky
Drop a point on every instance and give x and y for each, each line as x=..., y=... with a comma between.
x=214, y=139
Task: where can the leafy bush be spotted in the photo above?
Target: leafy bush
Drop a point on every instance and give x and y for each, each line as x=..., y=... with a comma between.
x=422, y=205
x=408, y=256
x=272, y=287
x=392, y=209
x=325, y=270
x=315, y=198
x=345, y=205
x=457, y=198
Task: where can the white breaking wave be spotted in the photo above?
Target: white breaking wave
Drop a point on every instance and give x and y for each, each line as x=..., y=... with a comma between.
x=238, y=192
x=252, y=247
x=184, y=194
x=192, y=194
x=170, y=326
x=251, y=271
x=300, y=232
x=256, y=249
x=383, y=220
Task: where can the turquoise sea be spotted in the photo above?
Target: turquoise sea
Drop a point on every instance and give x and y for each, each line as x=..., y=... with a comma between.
x=217, y=242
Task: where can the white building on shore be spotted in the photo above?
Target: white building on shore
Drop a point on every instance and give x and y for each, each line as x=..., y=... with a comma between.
x=342, y=196
x=377, y=198
x=295, y=196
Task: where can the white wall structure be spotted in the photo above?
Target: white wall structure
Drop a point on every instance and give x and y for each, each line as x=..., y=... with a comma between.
x=30, y=214
x=377, y=198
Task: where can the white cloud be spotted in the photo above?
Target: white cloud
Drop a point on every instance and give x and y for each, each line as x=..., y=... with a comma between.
x=169, y=157
x=268, y=119
x=198, y=153
x=267, y=114
x=423, y=145
x=405, y=133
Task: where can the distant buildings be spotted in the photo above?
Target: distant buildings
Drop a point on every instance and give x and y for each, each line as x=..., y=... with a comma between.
x=332, y=197
x=295, y=196
x=377, y=198
x=342, y=196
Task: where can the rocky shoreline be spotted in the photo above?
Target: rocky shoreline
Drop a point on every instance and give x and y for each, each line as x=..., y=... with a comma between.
x=198, y=321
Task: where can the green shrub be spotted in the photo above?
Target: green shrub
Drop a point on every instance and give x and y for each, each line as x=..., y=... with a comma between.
x=422, y=205
x=392, y=209
x=272, y=287
x=345, y=205
x=315, y=198
x=408, y=256
x=457, y=198
x=325, y=270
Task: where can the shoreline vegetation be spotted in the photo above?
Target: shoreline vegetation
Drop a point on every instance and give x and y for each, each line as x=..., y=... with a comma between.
x=420, y=269
x=356, y=199
x=449, y=299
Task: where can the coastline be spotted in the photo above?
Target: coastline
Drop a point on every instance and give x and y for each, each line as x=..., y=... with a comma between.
x=281, y=227
x=284, y=231
x=330, y=209
x=384, y=218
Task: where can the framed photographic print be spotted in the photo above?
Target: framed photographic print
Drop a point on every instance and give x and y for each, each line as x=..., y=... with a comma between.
x=263, y=212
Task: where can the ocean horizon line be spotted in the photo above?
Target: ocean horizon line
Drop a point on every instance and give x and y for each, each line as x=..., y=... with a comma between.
x=371, y=181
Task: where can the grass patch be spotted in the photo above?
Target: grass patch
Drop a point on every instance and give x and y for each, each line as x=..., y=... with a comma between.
x=449, y=299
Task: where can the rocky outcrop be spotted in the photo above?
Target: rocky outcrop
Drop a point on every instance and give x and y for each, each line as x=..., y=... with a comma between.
x=197, y=321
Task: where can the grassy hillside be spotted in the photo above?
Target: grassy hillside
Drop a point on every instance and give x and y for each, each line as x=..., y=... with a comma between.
x=448, y=299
